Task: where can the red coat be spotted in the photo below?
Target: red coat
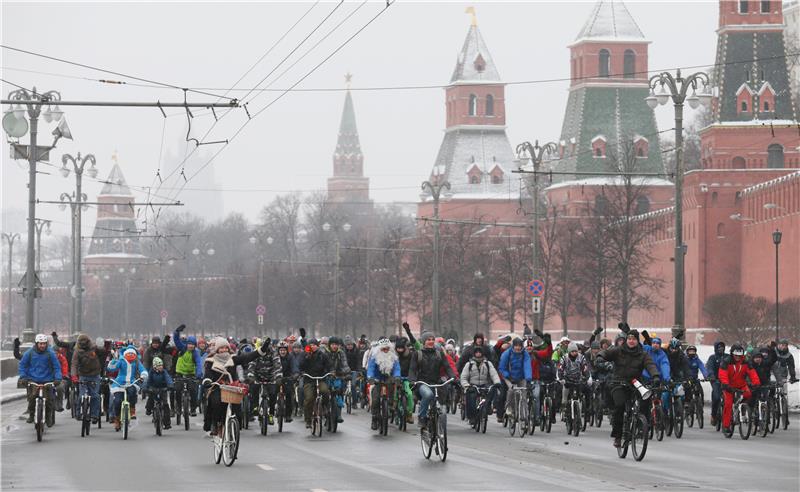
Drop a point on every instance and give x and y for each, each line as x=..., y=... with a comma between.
x=450, y=361
x=64, y=365
x=537, y=356
x=736, y=374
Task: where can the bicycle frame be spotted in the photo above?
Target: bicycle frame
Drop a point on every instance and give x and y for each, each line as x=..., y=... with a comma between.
x=432, y=436
x=317, y=409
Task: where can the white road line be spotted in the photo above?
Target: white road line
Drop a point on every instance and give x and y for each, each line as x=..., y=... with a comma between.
x=735, y=460
x=266, y=467
x=318, y=490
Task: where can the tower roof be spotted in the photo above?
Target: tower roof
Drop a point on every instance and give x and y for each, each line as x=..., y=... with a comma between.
x=348, y=142
x=610, y=20
x=115, y=183
x=474, y=62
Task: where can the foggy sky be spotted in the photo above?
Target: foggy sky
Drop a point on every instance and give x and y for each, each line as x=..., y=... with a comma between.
x=290, y=145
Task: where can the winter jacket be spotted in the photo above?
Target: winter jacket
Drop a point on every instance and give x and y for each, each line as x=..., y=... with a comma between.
x=538, y=357
x=661, y=360
x=573, y=371
x=230, y=375
x=127, y=373
x=559, y=352
x=374, y=372
x=629, y=363
x=87, y=358
x=715, y=361
x=62, y=360
x=158, y=380
x=186, y=365
x=39, y=367
x=353, y=358
x=316, y=364
x=763, y=370
x=294, y=363
x=547, y=370
x=405, y=361
x=678, y=365
x=164, y=354
x=601, y=370
x=340, y=366
x=266, y=369
x=286, y=365
x=735, y=374
x=479, y=372
x=450, y=362
x=784, y=366
x=515, y=366
x=695, y=364
x=428, y=364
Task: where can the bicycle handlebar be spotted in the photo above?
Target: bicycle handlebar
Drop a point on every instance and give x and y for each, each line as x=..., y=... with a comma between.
x=319, y=377
x=435, y=385
x=42, y=385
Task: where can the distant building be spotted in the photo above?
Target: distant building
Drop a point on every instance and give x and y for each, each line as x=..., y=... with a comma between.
x=791, y=34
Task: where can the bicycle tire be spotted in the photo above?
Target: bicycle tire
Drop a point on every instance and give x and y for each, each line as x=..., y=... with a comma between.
x=179, y=412
x=157, y=419
x=660, y=424
x=784, y=412
x=263, y=417
x=548, y=420
x=125, y=429
x=639, y=437
x=230, y=442
x=688, y=411
x=669, y=419
x=281, y=410
x=522, y=417
x=348, y=403
x=333, y=414
x=745, y=421
x=484, y=421
x=217, y=443
x=86, y=420
x=186, y=403
x=426, y=441
x=698, y=412
x=441, y=437
x=678, y=424
x=100, y=415
x=576, y=423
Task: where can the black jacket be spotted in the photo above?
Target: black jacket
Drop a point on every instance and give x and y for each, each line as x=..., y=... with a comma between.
x=238, y=360
x=405, y=361
x=628, y=362
x=427, y=365
x=316, y=364
x=354, y=356
x=715, y=361
x=678, y=365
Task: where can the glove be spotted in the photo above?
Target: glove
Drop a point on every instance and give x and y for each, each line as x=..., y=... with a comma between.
x=656, y=381
x=598, y=330
x=22, y=383
x=539, y=333
x=623, y=327
x=17, y=343
x=405, y=325
x=54, y=335
x=547, y=338
x=166, y=341
x=645, y=334
x=267, y=342
x=74, y=379
x=302, y=332
x=507, y=338
x=180, y=328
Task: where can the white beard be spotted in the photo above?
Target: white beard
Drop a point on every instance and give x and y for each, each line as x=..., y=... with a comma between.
x=385, y=361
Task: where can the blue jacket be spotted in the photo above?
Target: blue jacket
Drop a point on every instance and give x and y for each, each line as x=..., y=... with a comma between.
x=660, y=359
x=696, y=363
x=515, y=366
x=374, y=373
x=128, y=372
x=158, y=380
x=40, y=367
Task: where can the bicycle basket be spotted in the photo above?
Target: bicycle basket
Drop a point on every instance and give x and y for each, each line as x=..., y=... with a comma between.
x=231, y=394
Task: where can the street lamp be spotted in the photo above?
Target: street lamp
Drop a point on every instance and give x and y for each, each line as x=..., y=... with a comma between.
x=258, y=237
x=10, y=238
x=675, y=88
x=206, y=252
x=327, y=228
x=16, y=126
x=41, y=225
x=436, y=190
x=776, y=239
x=536, y=154
x=78, y=167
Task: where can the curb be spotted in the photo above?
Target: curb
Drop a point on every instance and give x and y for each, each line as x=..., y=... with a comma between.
x=12, y=398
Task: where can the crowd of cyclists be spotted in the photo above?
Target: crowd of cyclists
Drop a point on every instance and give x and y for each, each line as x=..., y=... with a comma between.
x=601, y=374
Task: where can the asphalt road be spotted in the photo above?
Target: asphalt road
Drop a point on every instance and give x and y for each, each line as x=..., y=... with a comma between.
x=358, y=459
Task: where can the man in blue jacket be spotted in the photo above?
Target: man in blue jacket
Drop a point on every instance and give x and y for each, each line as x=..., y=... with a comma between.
x=40, y=365
x=653, y=347
x=515, y=367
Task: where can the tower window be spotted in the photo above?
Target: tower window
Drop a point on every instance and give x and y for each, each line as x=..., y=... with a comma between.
x=474, y=179
x=720, y=230
x=766, y=105
x=765, y=6
x=744, y=107
x=489, y=105
x=775, y=156
x=629, y=64
x=497, y=179
x=473, y=105
x=742, y=6
x=603, y=59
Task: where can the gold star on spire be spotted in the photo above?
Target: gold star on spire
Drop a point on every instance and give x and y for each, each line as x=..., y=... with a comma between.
x=348, y=77
x=114, y=157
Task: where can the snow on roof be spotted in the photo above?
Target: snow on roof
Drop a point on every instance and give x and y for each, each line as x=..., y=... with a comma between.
x=612, y=181
x=115, y=183
x=771, y=182
x=475, y=50
x=610, y=20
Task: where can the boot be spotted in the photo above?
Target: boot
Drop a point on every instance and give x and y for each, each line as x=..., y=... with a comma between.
x=374, y=423
x=617, y=442
x=30, y=419
x=133, y=413
x=409, y=419
x=117, y=423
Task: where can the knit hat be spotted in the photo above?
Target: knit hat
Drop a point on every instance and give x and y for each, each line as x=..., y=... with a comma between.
x=477, y=336
x=218, y=342
x=192, y=340
x=573, y=347
x=348, y=339
x=635, y=334
x=297, y=345
x=478, y=349
x=517, y=341
x=595, y=345
x=155, y=339
x=401, y=342
x=157, y=362
x=426, y=335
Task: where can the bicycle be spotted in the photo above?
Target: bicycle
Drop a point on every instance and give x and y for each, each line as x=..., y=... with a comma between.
x=161, y=418
x=676, y=415
x=298, y=399
x=125, y=408
x=226, y=446
x=482, y=407
x=332, y=416
x=657, y=425
x=86, y=410
x=597, y=406
x=280, y=406
x=573, y=413
x=105, y=388
x=741, y=416
x=73, y=404
x=761, y=416
x=518, y=403
x=400, y=414
x=780, y=407
x=547, y=411
x=264, y=415
x=318, y=409
x=532, y=410
x=40, y=419
x=383, y=407
x=184, y=401
x=348, y=397
x=434, y=434
x=694, y=409
x=634, y=429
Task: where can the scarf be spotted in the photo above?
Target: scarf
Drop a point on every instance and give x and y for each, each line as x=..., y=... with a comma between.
x=221, y=362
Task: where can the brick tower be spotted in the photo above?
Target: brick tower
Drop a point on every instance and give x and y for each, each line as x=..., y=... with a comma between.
x=608, y=67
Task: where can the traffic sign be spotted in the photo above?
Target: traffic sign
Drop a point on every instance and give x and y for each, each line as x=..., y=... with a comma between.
x=261, y=310
x=163, y=314
x=536, y=288
x=260, y=319
x=537, y=305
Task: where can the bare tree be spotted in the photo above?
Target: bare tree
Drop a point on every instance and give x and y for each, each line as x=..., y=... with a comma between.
x=739, y=318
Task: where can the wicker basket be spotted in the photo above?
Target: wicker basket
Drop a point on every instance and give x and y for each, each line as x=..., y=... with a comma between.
x=231, y=394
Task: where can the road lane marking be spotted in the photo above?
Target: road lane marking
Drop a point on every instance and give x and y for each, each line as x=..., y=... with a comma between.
x=318, y=490
x=266, y=467
x=735, y=460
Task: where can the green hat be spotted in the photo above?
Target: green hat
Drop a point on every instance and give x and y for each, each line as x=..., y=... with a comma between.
x=157, y=362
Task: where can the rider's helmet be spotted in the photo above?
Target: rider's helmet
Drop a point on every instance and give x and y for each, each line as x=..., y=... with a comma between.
x=691, y=348
x=41, y=338
x=737, y=350
x=674, y=344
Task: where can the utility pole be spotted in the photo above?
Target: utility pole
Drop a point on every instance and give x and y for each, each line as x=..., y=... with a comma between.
x=535, y=153
x=327, y=228
x=436, y=190
x=201, y=254
x=41, y=225
x=10, y=238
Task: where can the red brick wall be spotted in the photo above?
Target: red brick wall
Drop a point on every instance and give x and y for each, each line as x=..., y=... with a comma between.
x=729, y=13
x=457, y=105
x=724, y=146
x=585, y=62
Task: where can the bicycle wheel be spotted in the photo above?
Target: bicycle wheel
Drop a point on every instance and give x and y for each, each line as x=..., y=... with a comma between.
x=576, y=424
x=157, y=419
x=688, y=411
x=280, y=409
x=660, y=424
x=348, y=403
x=639, y=437
x=100, y=415
x=669, y=419
x=125, y=421
x=522, y=417
x=622, y=450
x=484, y=419
x=263, y=417
x=246, y=412
x=745, y=421
x=230, y=442
x=426, y=440
x=383, y=428
x=318, y=417
x=784, y=406
x=548, y=415
x=333, y=414
x=441, y=437
x=698, y=411
x=186, y=403
x=179, y=412
x=86, y=421
x=217, y=441
x=678, y=425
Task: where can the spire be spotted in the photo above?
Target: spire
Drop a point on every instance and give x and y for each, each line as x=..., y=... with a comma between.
x=610, y=20
x=474, y=62
x=348, y=142
x=115, y=183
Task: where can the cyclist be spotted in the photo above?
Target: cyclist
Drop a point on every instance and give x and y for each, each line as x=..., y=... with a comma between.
x=733, y=374
x=157, y=348
x=541, y=354
x=129, y=368
x=450, y=350
x=515, y=366
x=87, y=366
x=629, y=360
x=404, y=356
x=478, y=340
x=220, y=366
x=288, y=376
x=39, y=365
x=383, y=367
x=189, y=364
x=315, y=363
x=158, y=380
x=574, y=371
x=712, y=366
x=342, y=372
x=354, y=356
x=427, y=365
x=678, y=362
x=760, y=363
x=481, y=373
x=653, y=347
x=784, y=363
x=265, y=369
x=695, y=365
x=561, y=350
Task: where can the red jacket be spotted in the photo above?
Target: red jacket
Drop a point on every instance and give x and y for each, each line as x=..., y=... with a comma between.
x=537, y=356
x=64, y=365
x=450, y=361
x=736, y=374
